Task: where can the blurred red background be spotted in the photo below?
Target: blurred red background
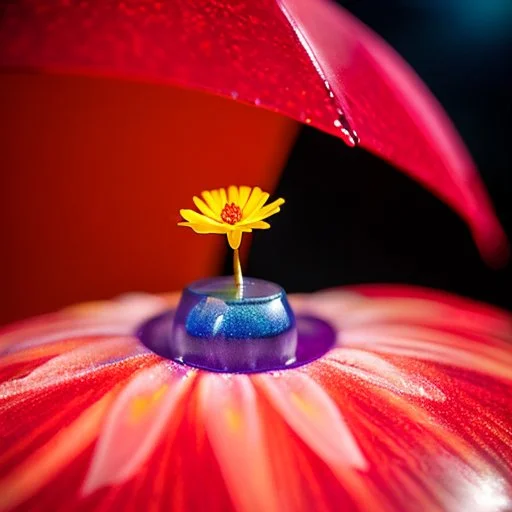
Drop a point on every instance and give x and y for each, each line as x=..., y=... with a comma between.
x=94, y=172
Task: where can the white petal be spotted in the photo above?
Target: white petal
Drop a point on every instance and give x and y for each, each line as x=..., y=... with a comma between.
x=136, y=422
x=74, y=364
x=234, y=429
x=380, y=372
x=314, y=416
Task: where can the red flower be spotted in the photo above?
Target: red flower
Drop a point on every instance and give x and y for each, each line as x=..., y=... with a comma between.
x=410, y=411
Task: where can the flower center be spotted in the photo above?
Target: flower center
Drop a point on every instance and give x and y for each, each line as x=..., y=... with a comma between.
x=231, y=214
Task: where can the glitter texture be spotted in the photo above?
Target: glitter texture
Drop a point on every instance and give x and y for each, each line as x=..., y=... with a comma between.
x=243, y=319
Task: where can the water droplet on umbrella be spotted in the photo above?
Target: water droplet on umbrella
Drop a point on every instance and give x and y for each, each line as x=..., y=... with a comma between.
x=348, y=134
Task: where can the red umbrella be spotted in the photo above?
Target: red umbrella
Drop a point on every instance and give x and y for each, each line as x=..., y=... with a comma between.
x=309, y=60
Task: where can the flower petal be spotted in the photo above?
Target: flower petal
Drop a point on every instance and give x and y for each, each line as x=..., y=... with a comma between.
x=208, y=229
x=44, y=464
x=234, y=428
x=377, y=371
x=256, y=207
x=137, y=420
x=243, y=195
x=223, y=197
x=197, y=218
x=234, y=239
x=257, y=225
x=205, y=209
x=212, y=202
x=217, y=198
x=314, y=416
x=233, y=195
x=268, y=210
x=257, y=217
x=220, y=197
x=430, y=350
x=75, y=364
x=252, y=201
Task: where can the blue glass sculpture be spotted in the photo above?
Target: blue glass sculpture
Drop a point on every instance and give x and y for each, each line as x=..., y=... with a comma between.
x=221, y=327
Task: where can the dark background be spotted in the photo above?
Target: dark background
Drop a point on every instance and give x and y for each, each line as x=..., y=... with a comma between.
x=352, y=218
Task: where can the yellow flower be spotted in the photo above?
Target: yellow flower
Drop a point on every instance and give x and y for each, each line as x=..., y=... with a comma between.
x=237, y=211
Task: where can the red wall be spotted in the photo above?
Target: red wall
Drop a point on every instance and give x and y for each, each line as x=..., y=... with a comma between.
x=93, y=173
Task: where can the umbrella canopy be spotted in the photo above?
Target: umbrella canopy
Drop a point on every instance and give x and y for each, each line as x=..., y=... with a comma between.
x=309, y=60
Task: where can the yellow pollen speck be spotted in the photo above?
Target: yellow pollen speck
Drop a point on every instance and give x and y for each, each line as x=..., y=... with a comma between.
x=141, y=405
x=233, y=419
x=305, y=407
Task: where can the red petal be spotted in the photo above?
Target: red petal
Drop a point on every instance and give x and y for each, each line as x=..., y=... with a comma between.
x=281, y=55
x=435, y=431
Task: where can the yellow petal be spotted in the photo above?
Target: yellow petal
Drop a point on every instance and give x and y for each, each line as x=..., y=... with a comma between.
x=254, y=200
x=212, y=202
x=205, y=209
x=197, y=218
x=237, y=227
x=257, y=225
x=233, y=195
x=205, y=229
x=266, y=211
x=271, y=206
x=256, y=216
x=216, y=197
x=223, y=197
x=263, y=199
x=243, y=194
x=234, y=239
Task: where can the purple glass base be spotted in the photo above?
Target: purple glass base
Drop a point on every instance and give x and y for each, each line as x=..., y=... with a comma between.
x=314, y=337
x=219, y=327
